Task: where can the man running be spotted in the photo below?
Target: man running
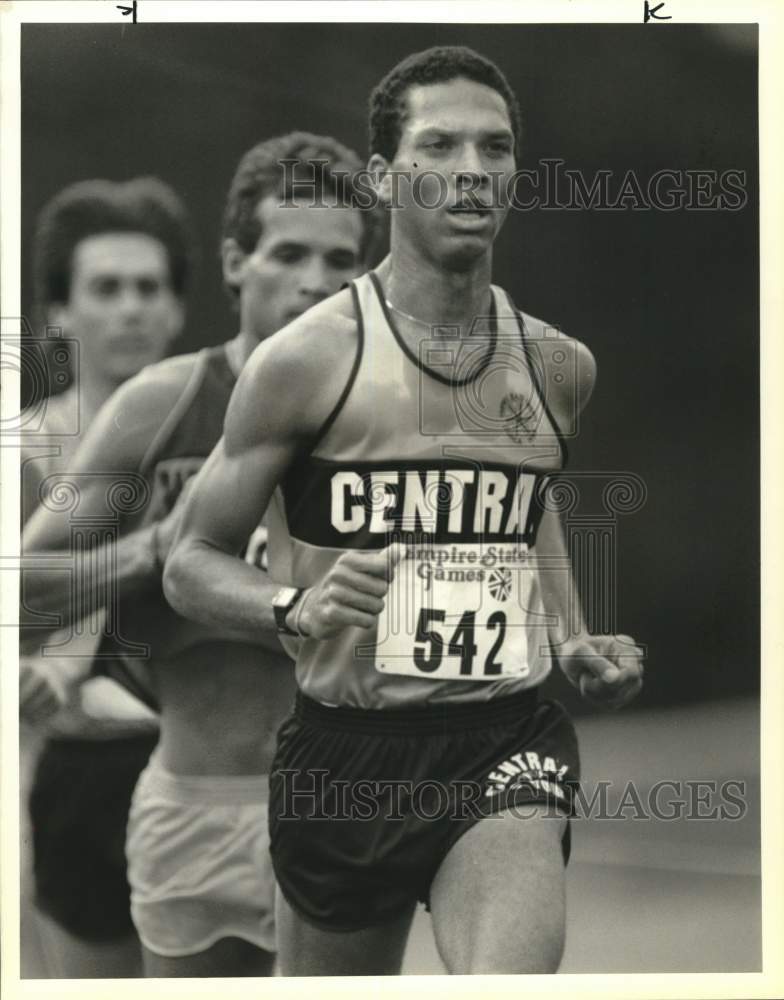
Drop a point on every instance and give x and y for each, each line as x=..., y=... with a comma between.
x=111, y=263
x=201, y=878
x=404, y=433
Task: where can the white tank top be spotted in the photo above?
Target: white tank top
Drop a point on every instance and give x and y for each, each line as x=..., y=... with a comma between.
x=446, y=451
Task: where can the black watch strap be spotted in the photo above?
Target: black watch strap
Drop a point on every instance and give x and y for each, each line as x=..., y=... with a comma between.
x=281, y=609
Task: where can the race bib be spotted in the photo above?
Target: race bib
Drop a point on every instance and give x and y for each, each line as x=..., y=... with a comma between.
x=458, y=612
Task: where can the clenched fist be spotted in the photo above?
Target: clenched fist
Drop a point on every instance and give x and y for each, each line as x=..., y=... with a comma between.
x=352, y=593
x=607, y=669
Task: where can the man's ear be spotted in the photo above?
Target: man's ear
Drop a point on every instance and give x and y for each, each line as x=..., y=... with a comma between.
x=380, y=170
x=233, y=259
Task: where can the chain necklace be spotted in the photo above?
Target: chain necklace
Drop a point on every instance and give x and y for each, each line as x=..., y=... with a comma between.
x=415, y=319
x=408, y=316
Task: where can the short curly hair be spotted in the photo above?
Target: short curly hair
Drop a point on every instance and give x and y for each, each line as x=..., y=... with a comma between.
x=286, y=164
x=440, y=64
x=90, y=208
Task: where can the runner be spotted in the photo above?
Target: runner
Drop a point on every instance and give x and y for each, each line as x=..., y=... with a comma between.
x=111, y=263
x=405, y=431
x=199, y=866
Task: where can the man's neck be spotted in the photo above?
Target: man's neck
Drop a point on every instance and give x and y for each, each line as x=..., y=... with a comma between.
x=434, y=295
x=239, y=349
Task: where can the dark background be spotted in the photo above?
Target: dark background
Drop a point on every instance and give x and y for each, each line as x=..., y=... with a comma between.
x=667, y=301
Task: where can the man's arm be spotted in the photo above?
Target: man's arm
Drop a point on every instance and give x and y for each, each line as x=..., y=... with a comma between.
x=283, y=396
x=568, y=397
x=559, y=591
x=111, y=452
x=279, y=403
x=607, y=669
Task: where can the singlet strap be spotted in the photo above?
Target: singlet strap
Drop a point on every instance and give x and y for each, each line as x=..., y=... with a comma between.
x=333, y=415
x=177, y=412
x=536, y=374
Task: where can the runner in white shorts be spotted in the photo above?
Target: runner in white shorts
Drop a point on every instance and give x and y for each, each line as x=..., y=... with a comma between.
x=199, y=861
x=201, y=884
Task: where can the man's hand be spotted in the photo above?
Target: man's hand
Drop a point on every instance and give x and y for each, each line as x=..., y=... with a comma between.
x=607, y=669
x=352, y=593
x=41, y=693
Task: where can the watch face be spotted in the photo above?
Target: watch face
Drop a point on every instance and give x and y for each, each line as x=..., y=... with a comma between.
x=284, y=597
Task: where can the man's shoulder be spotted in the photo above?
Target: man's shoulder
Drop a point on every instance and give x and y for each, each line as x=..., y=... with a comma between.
x=131, y=419
x=50, y=433
x=169, y=375
x=295, y=375
x=542, y=329
x=156, y=388
x=53, y=416
x=314, y=344
x=325, y=328
x=569, y=364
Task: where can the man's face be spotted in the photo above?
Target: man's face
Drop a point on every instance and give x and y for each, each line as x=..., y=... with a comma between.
x=121, y=307
x=304, y=254
x=461, y=132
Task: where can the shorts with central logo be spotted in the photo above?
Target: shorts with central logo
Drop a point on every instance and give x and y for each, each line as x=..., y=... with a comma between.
x=365, y=805
x=198, y=861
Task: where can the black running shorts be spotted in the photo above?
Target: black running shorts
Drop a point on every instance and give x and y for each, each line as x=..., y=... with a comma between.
x=365, y=805
x=79, y=810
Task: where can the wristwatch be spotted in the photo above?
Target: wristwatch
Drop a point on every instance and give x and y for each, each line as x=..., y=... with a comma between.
x=282, y=603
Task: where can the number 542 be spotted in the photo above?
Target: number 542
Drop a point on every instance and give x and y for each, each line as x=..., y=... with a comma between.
x=429, y=655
